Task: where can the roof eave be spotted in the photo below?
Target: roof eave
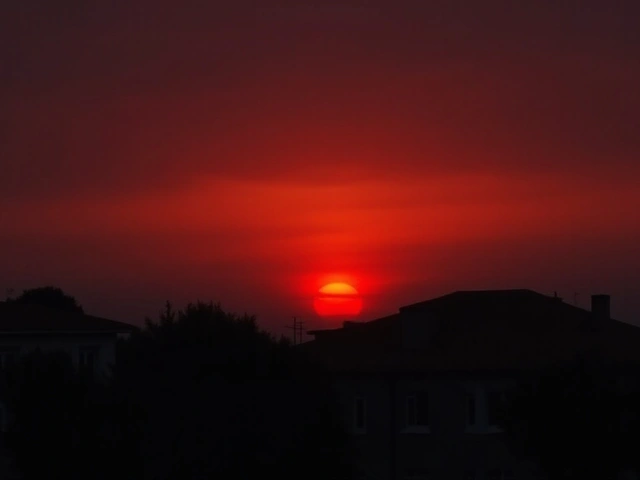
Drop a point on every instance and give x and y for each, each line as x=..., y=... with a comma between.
x=66, y=332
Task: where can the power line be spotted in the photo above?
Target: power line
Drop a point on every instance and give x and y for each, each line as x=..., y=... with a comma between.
x=298, y=329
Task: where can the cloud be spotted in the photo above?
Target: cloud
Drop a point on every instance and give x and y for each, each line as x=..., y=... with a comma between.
x=108, y=97
x=250, y=137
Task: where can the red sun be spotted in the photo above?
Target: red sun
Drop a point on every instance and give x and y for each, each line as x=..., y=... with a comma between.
x=337, y=299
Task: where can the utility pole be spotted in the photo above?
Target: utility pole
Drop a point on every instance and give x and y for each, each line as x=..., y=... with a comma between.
x=297, y=328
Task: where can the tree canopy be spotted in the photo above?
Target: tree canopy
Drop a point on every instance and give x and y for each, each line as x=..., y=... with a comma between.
x=576, y=420
x=223, y=399
x=49, y=296
x=198, y=393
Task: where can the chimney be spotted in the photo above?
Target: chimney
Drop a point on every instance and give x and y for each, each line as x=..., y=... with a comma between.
x=601, y=306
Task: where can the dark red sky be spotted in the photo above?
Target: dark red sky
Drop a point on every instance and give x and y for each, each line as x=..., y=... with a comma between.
x=247, y=151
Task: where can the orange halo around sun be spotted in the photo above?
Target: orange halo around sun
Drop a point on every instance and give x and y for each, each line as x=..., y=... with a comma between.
x=337, y=299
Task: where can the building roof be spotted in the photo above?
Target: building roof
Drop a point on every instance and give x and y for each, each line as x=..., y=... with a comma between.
x=17, y=318
x=476, y=331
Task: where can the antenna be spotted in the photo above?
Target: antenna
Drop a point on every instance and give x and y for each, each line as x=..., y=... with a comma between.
x=298, y=330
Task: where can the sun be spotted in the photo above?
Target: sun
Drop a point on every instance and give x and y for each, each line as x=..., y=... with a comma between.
x=337, y=299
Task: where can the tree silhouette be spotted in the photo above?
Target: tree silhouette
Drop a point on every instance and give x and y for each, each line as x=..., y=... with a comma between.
x=216, y=397
x=49, y=296
x=575, y=420
x=200, y=393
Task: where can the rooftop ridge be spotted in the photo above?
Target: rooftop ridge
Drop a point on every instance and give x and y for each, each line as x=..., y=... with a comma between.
x=458, y=293
x=17, y=317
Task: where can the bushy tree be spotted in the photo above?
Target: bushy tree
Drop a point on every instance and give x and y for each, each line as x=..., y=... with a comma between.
x=49, y=296
x=200, y=393
x=219, y=398
x=575, y=420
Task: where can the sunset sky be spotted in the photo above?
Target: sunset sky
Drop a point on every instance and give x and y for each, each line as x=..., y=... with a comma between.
x=249, y=152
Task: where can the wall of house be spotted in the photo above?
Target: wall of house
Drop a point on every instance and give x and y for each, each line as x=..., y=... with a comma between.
x=372, y=445
x=449, y=448
x=102, y=344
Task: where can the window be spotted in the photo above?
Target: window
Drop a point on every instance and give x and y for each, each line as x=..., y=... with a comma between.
x=536, y=472
x=416, y=474
x=498, y=474
x=88, y=360
x=7, y=357
x=494, y=475
x=627, y=419
x=495, y=408
x=471, y=409
x=417, y=410
x=359, y=415
x=469, y=475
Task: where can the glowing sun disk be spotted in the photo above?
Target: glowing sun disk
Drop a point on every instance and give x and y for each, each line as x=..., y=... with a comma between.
x=338, y=289
x=337, y=299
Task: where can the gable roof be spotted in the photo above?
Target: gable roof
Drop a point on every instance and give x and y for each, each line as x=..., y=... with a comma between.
x=17, y=318
x=477, y=331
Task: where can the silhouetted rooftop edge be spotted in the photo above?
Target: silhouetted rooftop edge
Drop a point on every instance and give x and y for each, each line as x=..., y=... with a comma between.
x=477, y=330
x=16, y=318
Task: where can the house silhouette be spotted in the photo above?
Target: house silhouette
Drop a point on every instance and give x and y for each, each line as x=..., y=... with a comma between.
x=89, y=341
x=420, y=389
